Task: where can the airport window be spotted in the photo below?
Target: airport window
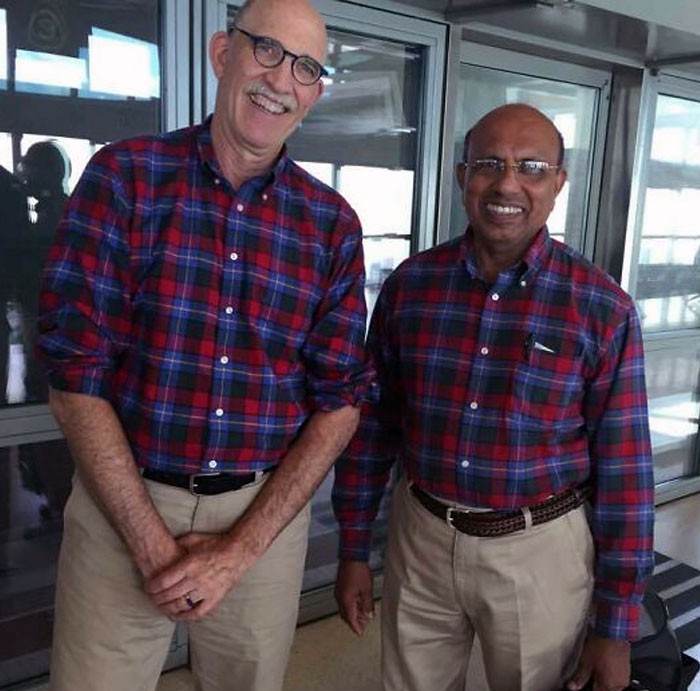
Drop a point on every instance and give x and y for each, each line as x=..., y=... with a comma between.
x=665, y=280
x=73, y=77
x=572, y=97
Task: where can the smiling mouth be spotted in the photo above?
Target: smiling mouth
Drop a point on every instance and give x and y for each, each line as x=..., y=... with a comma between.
x=267, y=104
x=504, y=210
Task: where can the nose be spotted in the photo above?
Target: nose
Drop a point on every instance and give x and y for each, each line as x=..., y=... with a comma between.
x=280, y=78
x=507, y=181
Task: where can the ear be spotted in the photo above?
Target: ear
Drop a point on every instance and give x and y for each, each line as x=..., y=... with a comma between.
x=219, y=46
x=319, y=86
x=562, y=176
x=461, y=172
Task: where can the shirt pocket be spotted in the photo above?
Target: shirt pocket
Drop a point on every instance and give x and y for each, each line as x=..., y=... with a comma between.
x=548, y=383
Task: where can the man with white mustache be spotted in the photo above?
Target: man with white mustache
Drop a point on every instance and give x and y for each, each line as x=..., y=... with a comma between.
x=202, y=328
x=512, y=394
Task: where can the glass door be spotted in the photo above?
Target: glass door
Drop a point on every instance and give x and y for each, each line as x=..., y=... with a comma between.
x=662, y=270
x=73, y=77
x=575, y=99
x=374, y=137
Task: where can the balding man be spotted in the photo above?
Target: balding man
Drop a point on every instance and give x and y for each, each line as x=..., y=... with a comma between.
x=202, y=328
x=512, y=395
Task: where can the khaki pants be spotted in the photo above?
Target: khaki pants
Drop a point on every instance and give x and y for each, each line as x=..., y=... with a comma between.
x=525, y=595
x=108, y=636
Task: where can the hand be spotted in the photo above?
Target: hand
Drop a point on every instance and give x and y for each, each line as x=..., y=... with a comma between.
x=353, y=593
x=203, y=575
x=607, y=661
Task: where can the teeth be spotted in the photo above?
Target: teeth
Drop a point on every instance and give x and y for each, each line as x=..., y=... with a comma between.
x=506, y=210
x=267, y=104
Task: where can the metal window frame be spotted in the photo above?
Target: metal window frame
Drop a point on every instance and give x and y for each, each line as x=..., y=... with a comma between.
x=381, y=24
x=481, y=55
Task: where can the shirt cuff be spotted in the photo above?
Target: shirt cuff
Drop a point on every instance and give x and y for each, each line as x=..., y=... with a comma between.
x=617, y=621
x=354, y=544
x=331, y=398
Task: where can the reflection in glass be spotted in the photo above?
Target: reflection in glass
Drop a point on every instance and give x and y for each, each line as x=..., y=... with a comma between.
x=48, y=141
x=48, y=73
x=572, y=108
x=668, y=273
x=34, y=485
x=122, y=65
x=667, y=286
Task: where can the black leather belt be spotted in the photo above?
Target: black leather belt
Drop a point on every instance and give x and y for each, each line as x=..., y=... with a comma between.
x=205, y=483
x=496, y=523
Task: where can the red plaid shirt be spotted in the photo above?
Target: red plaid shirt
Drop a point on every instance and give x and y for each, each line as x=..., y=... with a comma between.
x=501, y=396
x=214, y=320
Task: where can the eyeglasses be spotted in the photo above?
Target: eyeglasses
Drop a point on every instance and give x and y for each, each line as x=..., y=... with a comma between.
x=527, y=168
x=270, y=53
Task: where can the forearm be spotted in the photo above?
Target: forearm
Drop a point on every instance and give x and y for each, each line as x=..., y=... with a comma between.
x=292, y=484
x=106, y=466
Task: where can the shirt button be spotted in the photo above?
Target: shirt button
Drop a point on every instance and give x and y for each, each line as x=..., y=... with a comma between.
x=239, y=207
x=212, y=463
x=217, y=181
x=224, y=360
x=465, y=464
x=495, y=297
x=229, y=310
x=523, y=283
x=473, y=405
x=484, y=351
x=234, y=256
x=264, y=197
x=219, y=412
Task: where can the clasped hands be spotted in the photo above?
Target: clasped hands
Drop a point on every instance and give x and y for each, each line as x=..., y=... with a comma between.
x=195, y=578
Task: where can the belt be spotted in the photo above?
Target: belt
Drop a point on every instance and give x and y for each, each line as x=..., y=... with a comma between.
x=205, y=483
x=496, y=523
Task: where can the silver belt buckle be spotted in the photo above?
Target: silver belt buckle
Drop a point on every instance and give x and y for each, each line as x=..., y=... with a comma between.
x=448, y=517
x=193, y=480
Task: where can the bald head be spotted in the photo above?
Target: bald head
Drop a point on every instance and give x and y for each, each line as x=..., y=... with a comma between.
x=519, y=112
x=254, y=12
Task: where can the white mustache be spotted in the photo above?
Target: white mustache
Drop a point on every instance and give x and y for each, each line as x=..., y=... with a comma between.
x=289, y=101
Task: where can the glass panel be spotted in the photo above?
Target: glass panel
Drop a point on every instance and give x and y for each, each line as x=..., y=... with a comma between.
x=667, y=286
x=34, y=486
x=74, y=79
x=572, y=108
x=73, y=76
x=362, y=138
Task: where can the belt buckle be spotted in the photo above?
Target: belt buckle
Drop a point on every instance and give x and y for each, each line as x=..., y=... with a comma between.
x=448, y=517
x=193, y=481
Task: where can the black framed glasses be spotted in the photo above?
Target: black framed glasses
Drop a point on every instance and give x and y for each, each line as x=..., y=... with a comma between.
x=270, y=53
x=529, y=169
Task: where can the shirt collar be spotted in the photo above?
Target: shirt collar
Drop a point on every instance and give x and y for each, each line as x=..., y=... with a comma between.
x=530, y=264
x=208, y=160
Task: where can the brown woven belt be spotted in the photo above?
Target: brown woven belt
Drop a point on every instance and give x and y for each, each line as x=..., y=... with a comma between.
x=496, y=523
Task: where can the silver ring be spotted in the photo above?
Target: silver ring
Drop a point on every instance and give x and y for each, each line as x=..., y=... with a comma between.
x=189, y=602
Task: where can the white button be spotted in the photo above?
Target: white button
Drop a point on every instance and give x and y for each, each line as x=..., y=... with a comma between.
x=523, y=283
x=473, y=405
x=264, y=197
x=465, y=464
x=229, y=310
x=217, y=181
x=495, y=296
x=219, y=412
x=234, y=256
x=239, y=207
x=213, y=463
x=484, y=351
x=224, y=360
